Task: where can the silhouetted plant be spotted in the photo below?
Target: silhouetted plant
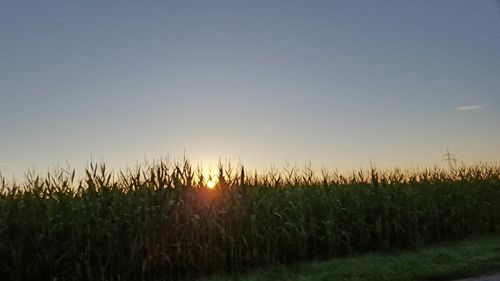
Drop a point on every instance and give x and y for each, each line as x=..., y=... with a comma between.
x=159, y=221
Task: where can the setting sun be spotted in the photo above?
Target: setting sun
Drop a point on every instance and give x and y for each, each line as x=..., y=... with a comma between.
x=211, y=184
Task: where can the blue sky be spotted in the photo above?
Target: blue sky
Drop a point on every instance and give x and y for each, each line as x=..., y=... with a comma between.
x=337, y=83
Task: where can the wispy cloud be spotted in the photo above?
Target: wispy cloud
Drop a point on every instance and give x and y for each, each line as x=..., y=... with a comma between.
x=6, y=164
x=470, y=107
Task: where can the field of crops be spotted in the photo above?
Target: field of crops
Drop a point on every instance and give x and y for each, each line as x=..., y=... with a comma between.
x=160, y=221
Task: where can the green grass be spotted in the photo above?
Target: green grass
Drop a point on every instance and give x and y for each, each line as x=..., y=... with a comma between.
x=161, y=222
x=446, y=262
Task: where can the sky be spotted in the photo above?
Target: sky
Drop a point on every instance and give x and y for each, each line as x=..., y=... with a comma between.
x=336, y=83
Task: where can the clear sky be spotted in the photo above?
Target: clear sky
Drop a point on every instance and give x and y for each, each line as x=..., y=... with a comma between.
x=339, y=83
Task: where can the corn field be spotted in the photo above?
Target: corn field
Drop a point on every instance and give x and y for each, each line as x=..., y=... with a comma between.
x=160, y=221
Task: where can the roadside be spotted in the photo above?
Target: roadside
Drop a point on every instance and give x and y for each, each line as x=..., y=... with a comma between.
x=450, y=261
x=495, y=277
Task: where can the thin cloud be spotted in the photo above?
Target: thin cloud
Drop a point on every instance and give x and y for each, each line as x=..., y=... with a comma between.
x=470, y=107
x=6, y=164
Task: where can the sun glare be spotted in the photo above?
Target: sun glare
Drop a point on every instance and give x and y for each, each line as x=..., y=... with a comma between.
x=211, y=184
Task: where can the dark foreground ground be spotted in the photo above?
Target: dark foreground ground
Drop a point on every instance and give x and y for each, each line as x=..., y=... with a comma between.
x=495, y=277
x=450, y=261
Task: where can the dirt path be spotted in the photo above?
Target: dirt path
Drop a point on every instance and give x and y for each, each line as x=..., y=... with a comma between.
x=485, y=278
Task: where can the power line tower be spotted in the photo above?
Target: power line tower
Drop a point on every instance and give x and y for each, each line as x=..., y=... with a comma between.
x=450, y=158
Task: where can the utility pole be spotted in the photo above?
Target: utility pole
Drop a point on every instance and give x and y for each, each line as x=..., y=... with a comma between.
x=450, y=158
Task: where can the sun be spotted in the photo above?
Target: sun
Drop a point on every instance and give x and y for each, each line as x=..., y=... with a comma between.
x=211, y=184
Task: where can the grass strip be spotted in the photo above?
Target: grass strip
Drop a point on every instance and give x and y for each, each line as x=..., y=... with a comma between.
x=443, y=262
